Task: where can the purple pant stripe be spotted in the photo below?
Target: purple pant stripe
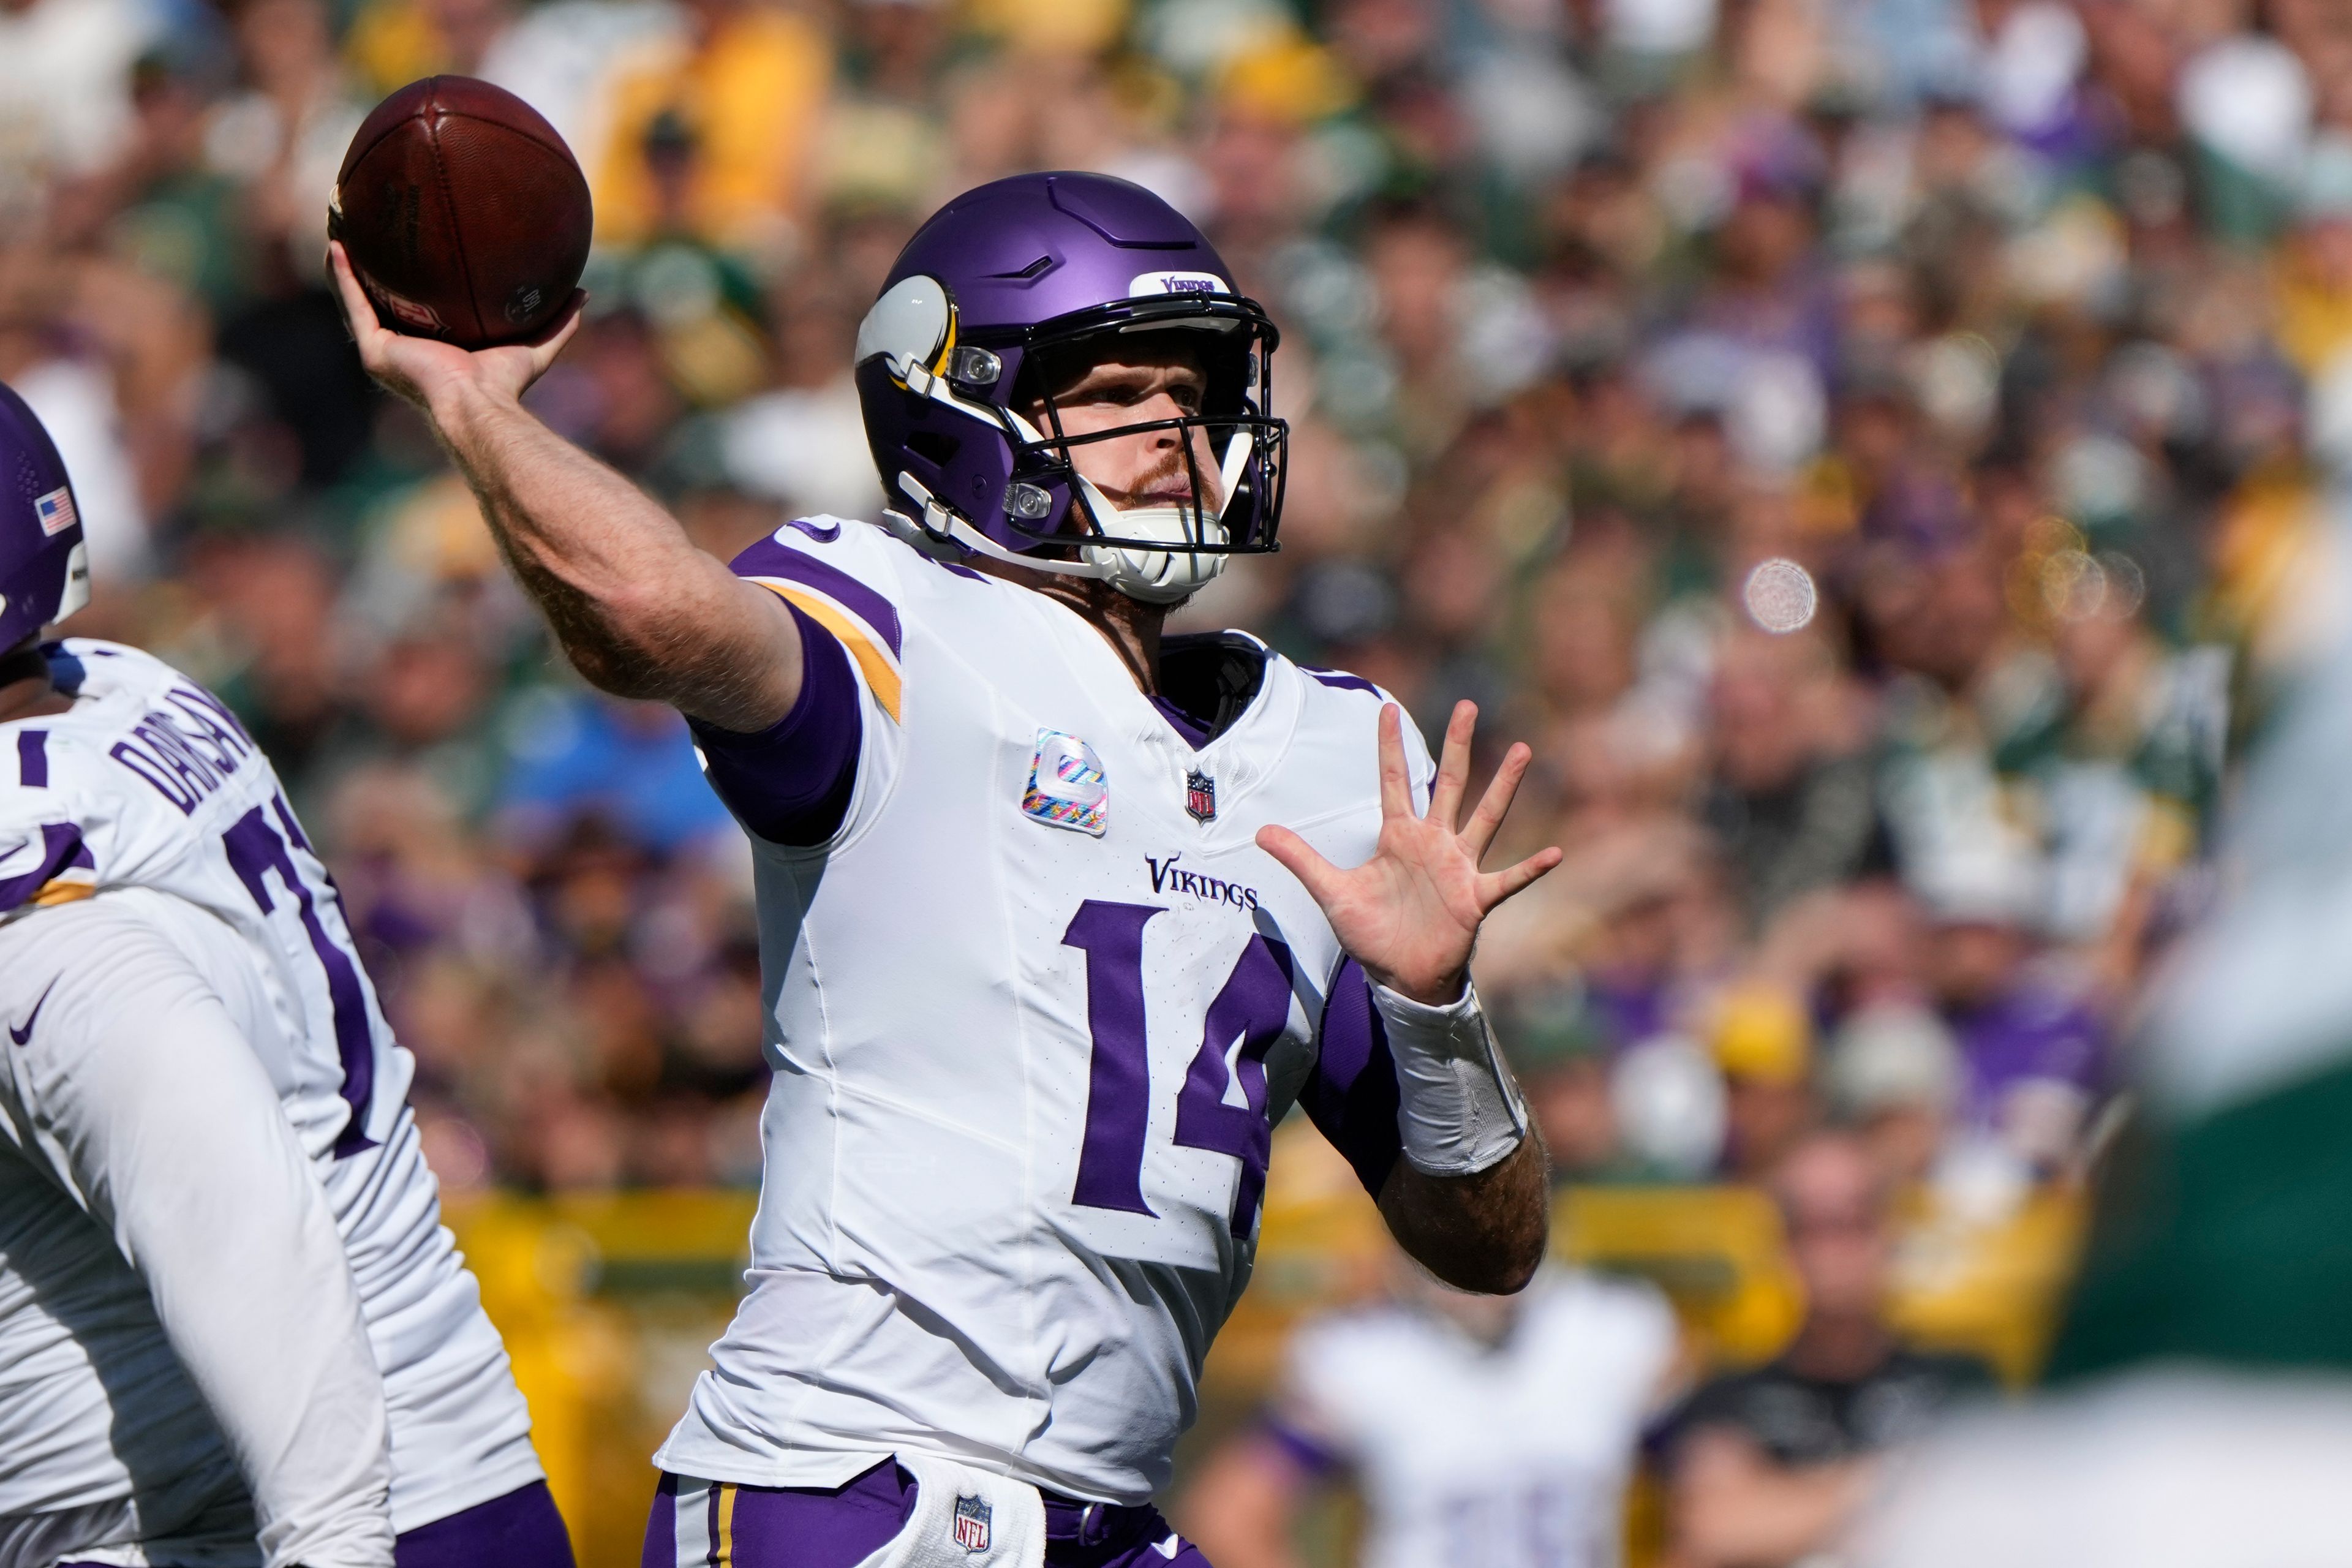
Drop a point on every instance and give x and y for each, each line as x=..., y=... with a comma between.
x=787, y=1527
x=521, y=1530
x=661, y=1527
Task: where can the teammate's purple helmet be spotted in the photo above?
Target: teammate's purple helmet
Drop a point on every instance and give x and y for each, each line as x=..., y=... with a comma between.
x=44, y=570
x=1006, y=290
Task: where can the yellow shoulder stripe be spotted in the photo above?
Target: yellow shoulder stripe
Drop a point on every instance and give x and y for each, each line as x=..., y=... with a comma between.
x=881, y=671
x=57, y=890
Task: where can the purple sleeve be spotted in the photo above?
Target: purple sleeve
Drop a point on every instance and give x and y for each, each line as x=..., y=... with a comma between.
x=28, y=868
x=1351, y=1096
x=790, y=784
x=771, y=558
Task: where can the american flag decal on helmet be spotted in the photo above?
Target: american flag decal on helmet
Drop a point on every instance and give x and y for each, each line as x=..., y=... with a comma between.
x=971, y=1516
x=55, y=510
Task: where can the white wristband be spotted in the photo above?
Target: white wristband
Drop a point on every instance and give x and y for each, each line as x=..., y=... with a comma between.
x=1457, y=1109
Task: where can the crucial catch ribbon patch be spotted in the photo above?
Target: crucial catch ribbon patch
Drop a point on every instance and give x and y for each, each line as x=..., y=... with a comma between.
x=1067, y=787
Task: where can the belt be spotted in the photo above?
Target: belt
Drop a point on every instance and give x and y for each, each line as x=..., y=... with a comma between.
x=1109, y=1524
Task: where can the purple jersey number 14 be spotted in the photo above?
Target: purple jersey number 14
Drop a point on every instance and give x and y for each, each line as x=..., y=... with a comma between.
x=257, y=849
x=1251, y=1007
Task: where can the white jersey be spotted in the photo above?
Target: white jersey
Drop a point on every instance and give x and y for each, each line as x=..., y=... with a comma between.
x=166, y=1237
x=1033, y=1009
x=1515, y=1455
x=149, y=786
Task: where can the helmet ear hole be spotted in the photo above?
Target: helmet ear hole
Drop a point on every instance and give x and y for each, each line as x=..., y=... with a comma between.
x=935, y=447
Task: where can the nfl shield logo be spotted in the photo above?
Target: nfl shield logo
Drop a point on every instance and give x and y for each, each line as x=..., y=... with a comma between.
x=971, y=1523
x=1199, y=796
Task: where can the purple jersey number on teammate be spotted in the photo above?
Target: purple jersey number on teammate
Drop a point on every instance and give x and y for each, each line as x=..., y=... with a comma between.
x=255, y=849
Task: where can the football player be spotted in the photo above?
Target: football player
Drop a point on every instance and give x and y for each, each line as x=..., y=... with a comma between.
x=1058, y=914
x=231, y=1328
x=1480, y=1432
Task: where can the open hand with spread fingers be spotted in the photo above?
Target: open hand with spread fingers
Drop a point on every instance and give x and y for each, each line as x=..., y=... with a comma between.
x=1411, y=914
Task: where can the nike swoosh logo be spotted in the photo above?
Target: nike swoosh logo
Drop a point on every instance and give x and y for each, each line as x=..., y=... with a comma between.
x=24, y=1033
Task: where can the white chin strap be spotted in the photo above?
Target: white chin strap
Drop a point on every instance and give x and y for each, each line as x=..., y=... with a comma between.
x=1154, y=577
x=940, y=531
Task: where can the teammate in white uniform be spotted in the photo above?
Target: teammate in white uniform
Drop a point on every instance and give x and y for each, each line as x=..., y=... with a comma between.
x=1053, y=928
x=1479, y=1433
x=232, y=1327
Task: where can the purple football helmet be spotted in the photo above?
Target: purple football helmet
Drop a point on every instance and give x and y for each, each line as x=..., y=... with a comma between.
x=1007, y=291
x=44, y=565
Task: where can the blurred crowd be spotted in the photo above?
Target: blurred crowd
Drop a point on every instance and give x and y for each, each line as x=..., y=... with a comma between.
x=1871, y=448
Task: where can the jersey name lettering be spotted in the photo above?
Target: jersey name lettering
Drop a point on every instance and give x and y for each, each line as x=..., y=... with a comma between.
x=184, y=756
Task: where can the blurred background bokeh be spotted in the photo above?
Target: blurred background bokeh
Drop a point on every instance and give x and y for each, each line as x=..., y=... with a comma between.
x=1872, y=451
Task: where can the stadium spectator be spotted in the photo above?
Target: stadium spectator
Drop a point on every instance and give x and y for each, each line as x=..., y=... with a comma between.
x=1560, y=1055
x=2033, y=1055
x=1766, y=1466
x=709, y=135
x=1763, y=1043
x=1894, y=1075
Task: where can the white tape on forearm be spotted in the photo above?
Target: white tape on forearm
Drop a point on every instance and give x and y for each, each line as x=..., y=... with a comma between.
x=1457, y=1108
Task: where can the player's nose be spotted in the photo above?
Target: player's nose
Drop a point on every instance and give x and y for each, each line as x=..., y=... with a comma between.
x=1161, y=406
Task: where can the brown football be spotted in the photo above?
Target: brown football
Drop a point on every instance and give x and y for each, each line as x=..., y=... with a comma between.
x=464, y=213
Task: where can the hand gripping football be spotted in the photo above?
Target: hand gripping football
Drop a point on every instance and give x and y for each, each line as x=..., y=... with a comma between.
x=465, y=216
